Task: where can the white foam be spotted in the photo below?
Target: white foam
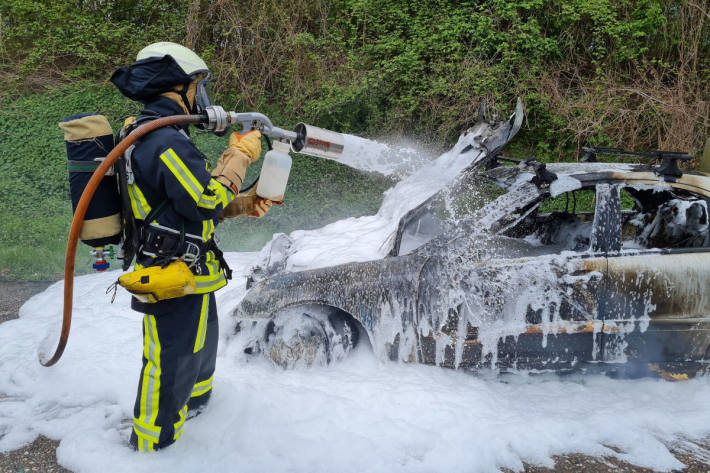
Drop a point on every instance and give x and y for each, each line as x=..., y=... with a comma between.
x=564, y=183
x=398, y=159
x=367, y=238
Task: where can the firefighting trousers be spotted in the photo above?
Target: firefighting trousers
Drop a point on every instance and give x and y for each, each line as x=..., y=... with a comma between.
x=179, y=351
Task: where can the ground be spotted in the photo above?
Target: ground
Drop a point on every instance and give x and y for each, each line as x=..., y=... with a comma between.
x=40, y=455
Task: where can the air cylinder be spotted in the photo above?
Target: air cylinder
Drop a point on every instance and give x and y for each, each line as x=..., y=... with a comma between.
x=89, y=139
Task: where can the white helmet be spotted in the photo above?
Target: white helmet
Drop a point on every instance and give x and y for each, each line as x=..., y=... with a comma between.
x=186, y=58
x=190, y=63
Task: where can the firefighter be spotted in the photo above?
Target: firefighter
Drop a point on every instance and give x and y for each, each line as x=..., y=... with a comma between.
x=177, y=203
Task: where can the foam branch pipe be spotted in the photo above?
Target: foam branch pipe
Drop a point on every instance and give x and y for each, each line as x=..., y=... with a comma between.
x=80, y=213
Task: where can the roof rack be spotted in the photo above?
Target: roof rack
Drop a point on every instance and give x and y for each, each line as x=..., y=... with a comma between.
x=669, y=159
x=543, y=178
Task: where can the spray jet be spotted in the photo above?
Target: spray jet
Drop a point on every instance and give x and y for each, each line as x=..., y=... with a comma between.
x=353, y=151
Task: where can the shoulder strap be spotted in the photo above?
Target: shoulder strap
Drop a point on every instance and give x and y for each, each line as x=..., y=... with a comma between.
x=146, y=116
x=131, y=236
x=132, y=231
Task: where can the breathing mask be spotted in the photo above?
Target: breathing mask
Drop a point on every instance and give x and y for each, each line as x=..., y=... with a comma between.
x=203, y=95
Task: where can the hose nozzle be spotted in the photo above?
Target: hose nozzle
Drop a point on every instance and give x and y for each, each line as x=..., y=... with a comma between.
x=318, y=142
x=305, y=139
x=218, y=120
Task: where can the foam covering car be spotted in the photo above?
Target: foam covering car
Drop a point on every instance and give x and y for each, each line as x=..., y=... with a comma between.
x=515, y=265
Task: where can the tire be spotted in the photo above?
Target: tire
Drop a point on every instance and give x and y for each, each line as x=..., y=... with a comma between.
x=310, y=336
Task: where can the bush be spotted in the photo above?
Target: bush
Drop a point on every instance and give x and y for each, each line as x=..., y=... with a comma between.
x=70, y=39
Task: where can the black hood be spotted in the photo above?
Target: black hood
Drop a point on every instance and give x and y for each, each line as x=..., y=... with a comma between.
x=149, y=77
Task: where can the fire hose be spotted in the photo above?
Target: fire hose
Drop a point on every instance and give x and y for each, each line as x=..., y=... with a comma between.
x=305, y=139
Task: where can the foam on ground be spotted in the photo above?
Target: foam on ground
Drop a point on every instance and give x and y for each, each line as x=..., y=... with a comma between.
x=359, y=415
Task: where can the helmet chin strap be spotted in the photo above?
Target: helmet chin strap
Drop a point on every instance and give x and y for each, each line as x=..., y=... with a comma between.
x=192, y=108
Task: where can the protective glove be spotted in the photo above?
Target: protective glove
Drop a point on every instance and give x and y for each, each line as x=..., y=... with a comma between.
x=232, y=165
x=249, y=143
x=247, y=205
x=128, y=121
x=231, y=169
x=261, y=206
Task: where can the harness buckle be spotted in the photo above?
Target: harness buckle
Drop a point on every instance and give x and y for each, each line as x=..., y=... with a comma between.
x=191, y=254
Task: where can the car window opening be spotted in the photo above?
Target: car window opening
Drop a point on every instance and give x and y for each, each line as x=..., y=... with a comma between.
x=665, y=219
x=633, y=217
x=560, y=223
x=649, y=219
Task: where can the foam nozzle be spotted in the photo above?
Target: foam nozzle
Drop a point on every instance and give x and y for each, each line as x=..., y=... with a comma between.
x=318, y=142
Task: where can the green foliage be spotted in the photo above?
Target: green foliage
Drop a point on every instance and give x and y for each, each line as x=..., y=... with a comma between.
x=80, y=38
x=420, y=66
x=580, y=201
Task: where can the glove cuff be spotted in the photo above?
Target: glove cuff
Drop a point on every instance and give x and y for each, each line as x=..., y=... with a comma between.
x=233, y=186
x=231, y=169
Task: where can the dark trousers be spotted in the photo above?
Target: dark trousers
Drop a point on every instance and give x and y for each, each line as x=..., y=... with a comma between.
x=179, y=352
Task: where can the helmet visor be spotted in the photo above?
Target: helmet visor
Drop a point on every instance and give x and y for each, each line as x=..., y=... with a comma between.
x=203, y=95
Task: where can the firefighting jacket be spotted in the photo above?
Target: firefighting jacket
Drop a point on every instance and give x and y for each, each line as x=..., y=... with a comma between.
x=171, y=178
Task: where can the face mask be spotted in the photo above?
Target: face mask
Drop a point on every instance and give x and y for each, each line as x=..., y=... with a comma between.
x=203, y=99
x=203, y=96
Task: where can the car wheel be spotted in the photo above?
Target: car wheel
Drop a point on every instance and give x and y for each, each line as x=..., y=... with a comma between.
x=309, y=336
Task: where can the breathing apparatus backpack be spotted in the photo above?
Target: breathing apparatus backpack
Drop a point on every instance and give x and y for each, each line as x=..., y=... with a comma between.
x=109, y=218
x=89, y=138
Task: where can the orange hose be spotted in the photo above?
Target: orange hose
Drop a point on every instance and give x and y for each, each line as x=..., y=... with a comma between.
x=80, y=212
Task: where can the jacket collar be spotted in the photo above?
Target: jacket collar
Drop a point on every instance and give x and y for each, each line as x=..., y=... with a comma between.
x=164, y=107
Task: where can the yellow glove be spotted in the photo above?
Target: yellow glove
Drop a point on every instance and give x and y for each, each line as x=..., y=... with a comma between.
x=232, y=165
x=249, y=143
x=128, y=121
x=247, y=205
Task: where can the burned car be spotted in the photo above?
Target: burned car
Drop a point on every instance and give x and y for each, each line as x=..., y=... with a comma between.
x=515, y=265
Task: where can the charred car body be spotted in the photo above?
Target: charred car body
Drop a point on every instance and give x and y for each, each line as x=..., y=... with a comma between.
x=515, y=265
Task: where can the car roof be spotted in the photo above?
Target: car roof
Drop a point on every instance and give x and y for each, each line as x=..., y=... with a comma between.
x=590, y=174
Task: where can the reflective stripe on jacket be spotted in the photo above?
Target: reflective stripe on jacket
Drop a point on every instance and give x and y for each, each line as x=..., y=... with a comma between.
x=168, y=167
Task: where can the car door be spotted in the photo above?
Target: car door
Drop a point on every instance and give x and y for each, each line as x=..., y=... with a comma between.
x=498, y=300
x=655, y=302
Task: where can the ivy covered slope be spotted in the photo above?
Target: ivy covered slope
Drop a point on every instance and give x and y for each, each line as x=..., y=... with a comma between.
x=629, y=73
